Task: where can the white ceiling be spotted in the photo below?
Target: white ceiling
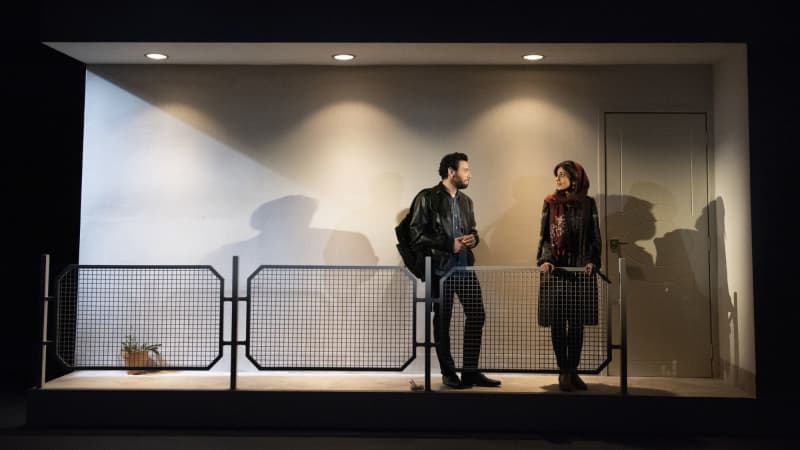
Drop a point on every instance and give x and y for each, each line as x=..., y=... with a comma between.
x=269, y=53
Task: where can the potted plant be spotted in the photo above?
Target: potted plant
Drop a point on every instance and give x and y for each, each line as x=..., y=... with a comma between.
x=137, y=354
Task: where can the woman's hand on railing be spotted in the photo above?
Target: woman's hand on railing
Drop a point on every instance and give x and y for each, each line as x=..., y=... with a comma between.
x=590, y=269
x=546, y=267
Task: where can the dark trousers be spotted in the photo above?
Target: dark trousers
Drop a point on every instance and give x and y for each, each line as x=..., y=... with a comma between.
x=465, y=285
x=567, y=337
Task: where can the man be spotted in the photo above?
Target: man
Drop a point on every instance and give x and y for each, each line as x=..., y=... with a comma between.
x=443, y=227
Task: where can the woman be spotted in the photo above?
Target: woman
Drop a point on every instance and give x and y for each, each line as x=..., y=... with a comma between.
x=570, y=237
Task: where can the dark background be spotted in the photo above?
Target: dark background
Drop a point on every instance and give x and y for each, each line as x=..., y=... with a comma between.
x=43, y=119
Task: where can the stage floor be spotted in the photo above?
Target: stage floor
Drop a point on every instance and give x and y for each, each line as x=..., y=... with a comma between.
x=384, y=382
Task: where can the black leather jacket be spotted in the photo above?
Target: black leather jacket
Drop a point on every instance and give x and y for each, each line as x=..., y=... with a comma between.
x=432, y=226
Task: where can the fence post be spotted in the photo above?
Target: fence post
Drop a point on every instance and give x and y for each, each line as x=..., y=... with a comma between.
x=623, y=330
x=234, y=321
x=428, y=309
x=45, y=294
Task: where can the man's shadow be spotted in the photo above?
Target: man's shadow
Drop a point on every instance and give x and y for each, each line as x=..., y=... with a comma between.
x=682, y=302
x=373, y=216
x=285, y=237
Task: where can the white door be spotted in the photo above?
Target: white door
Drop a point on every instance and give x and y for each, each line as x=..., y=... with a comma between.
x=657, y=219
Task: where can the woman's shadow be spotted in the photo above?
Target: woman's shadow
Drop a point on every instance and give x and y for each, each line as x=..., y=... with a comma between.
x=672, y=286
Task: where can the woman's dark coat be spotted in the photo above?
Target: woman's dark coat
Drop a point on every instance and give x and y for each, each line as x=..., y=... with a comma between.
x=570, y=295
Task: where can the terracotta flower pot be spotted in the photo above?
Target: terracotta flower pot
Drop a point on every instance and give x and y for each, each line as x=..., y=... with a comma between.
x=136, y=359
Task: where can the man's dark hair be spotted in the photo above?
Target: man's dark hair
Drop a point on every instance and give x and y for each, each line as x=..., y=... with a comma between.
x=451, y=161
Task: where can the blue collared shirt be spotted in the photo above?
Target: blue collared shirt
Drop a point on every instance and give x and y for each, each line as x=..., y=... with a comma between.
x=457, y=259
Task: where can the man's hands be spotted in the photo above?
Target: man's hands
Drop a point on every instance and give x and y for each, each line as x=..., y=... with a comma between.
x=462, y=243
x=469, y=240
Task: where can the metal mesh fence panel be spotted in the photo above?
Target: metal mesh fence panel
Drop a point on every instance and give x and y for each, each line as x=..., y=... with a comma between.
x=171, y=314
x=532, y=321
x=348, y=318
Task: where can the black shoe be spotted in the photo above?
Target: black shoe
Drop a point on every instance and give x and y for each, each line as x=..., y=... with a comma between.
x=478, y=379
x=565, y=382
x=452, y=381
x=577, y=382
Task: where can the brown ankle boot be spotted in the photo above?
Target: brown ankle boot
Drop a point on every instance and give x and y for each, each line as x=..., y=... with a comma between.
x=576, y=381
x=565, y=382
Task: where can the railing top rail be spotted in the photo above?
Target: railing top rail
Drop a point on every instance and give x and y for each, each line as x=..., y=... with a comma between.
x=139, y=266
x=599, y=273
x=71, y=267
x=298, y=266
x=260, y=268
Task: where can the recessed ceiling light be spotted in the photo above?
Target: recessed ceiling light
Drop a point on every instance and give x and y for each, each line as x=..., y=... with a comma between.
x=156, y=56
x=533, y=57
x=344, y=57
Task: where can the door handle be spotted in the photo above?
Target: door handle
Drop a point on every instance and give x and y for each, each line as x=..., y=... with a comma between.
x=615, y=244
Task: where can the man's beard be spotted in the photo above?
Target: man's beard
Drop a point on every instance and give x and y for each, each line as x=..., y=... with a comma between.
x=458, y=182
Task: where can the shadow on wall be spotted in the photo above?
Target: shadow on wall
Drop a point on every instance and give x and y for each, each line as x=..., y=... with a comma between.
x=631, y=220
x=285, y=237
x=668, y=288
x=726, y=341
x=374, y=216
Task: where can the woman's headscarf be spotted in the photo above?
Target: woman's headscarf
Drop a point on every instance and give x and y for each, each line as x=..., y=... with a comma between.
x=575, y=194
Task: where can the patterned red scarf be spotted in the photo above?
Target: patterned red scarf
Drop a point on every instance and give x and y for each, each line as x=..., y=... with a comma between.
x=557, y=201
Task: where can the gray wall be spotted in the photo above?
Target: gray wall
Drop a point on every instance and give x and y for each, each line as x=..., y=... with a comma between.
x=313, y=165
x=309, y=165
